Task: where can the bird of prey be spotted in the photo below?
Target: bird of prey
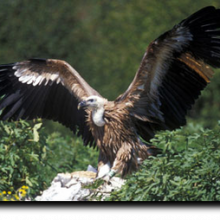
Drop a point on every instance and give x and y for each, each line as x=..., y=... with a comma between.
x=173, y=71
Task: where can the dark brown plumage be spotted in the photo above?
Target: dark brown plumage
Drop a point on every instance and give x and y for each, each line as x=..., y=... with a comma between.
x=173, y=71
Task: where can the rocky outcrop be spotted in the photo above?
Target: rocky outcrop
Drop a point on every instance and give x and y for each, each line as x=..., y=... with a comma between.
x=76, y=187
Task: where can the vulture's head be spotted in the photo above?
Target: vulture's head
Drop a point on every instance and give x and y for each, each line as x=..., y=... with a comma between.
x=92, y=103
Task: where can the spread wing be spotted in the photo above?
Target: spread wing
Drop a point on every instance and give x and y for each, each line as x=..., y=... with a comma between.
x=173, y=71
x=44, y=88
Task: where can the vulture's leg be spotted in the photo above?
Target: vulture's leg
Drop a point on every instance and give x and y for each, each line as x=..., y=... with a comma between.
x=129, y=158
x=103, y=166
x=126, y=161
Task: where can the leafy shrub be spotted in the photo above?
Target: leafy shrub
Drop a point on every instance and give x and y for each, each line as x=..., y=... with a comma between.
x=23, y=155
x=187, y=170
x=68, y=153
x=29, y=157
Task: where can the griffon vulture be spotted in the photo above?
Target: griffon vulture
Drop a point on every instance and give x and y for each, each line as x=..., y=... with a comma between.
x=173, y=71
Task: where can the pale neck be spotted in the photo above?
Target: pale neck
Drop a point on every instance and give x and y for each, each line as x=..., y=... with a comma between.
x=97, y=116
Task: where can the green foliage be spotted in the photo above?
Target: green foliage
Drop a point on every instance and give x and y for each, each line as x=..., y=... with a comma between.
x=68, y=154
x=28, y=157
x=22, y=156
x=187, y=170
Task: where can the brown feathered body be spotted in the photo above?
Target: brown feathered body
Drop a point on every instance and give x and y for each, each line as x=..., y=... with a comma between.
x=118, y=141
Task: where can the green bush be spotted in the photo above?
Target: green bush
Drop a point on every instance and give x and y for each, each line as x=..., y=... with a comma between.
x=29, y=157
x=68, y=153
x=23, y=156
x=187, y=170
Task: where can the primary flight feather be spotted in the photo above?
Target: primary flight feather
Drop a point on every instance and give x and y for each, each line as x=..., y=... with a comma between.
x=173, y=71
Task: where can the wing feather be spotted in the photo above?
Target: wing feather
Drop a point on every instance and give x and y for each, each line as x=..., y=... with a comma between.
x=173, y=71
x=49, y=89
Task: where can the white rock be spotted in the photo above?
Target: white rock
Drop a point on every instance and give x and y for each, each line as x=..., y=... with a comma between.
x=69, y=187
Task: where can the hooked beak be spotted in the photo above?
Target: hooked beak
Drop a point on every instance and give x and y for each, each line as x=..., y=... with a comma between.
x=82, y=105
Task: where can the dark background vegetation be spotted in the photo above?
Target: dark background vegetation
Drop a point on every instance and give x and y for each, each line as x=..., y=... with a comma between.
x=104, y=41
